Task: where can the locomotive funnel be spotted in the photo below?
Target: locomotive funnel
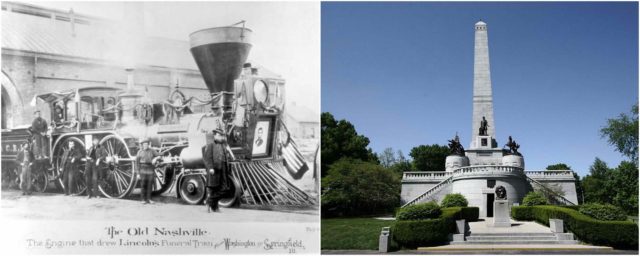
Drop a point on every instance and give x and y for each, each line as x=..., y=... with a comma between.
x=220, y=53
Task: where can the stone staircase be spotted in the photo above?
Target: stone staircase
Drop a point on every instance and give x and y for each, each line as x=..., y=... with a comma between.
x=518, y=238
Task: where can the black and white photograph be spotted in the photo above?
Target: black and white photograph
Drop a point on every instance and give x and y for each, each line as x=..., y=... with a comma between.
x=160, y=127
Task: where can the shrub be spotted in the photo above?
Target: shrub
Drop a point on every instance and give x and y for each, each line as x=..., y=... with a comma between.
x=470, y=213
x=358, y=188
x=603, y=212
x=618, y=234
x=414, y=233
x=534, y=198
x=422, y=211
x=454, y=200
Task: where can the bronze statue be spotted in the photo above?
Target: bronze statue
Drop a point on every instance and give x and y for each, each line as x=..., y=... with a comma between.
x=501, y=193
x=455, y=147
x=483, y=126
x=513, y=147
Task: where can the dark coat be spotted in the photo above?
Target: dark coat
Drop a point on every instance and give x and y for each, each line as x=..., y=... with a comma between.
x=100, y=153
x=215, y=157
x=69, y=155
x=39, y=125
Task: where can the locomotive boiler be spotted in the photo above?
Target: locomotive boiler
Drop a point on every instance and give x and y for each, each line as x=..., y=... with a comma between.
x=246, y=105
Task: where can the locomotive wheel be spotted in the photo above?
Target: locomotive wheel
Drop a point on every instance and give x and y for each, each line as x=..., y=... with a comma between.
x=163, y=180
x=192, y=189
x=234, y=194
x=119, y=178
x=79, y=185
x=39, y=179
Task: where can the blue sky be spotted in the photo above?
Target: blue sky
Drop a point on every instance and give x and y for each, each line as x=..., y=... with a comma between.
x=402, y=73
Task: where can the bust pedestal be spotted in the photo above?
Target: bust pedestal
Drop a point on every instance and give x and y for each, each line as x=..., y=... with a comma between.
x=501, y=213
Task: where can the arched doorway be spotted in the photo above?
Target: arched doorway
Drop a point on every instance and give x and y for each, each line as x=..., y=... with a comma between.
x=11, y=103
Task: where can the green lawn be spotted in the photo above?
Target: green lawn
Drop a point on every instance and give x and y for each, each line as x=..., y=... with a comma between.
x=352, y=233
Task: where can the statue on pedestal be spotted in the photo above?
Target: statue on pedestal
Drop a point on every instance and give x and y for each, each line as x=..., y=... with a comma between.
x=483, y=126
x=513, y=147
x=455, y=147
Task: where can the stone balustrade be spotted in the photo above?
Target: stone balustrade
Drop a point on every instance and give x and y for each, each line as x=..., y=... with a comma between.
x=550, y=174
x=412, y=176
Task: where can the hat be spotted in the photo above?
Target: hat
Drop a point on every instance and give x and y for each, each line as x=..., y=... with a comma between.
x=37, y=111
x=144, y=140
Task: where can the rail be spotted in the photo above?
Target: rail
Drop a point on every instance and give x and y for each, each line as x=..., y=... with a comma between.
x=408, y=176
x=429, y=192
x=547, y=174
x=557, y=197
x=480, y=169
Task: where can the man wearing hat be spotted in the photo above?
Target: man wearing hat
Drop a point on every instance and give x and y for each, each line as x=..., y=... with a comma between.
x=95, y=156
x=70, y=161
x=146, y=159
x=215, y=160
x=39, y=131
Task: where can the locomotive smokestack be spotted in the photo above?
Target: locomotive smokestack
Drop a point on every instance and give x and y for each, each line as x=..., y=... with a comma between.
x=220, y=54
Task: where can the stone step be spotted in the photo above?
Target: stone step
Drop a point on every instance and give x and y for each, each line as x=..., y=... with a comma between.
x=503, y=238
x=530, y=241
x=511, y=234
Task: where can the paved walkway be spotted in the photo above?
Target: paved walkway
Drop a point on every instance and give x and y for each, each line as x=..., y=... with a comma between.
x=481, y=226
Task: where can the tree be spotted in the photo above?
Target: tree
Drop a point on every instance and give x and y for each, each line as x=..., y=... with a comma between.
x=402, y=164
x=622, y=132
x=429, y=157
x=623, y=183
x=340, y=139
x=354, y=187
x=387, y=157
x=594, y=184
x=559, y=166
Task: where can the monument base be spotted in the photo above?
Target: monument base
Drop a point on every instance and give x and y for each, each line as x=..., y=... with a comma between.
x=501, y=214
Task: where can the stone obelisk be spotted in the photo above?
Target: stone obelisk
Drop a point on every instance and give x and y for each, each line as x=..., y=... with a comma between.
x=482, y=94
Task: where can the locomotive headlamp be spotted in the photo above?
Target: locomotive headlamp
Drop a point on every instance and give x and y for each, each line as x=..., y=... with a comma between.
x=260, y=91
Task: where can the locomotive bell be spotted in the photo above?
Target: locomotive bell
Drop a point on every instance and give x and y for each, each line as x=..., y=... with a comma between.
x=220, y=53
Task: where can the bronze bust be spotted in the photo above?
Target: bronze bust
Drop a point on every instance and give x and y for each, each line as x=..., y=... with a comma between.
x=501, y=193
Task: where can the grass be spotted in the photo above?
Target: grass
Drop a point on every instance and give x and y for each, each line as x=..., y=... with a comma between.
x=352, y=233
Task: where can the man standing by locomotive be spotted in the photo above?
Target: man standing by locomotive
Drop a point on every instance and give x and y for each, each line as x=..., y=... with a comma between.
x=146, y=160
x=70, y=160
x=95, y=156
x=25, y=158
x=39, y=131
x=215, y=160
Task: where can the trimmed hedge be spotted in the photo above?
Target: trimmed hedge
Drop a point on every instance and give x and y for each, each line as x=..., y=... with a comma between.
x=603, y=212
x=414, y=233
x=470, y=213
x=617, y=234
x=429, y=210
x=454, y=200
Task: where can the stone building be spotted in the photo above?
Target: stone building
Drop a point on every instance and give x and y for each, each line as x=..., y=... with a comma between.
x=484, y=166
x=48, y=50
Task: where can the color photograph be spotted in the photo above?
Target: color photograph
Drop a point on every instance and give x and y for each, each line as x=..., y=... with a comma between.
x=479, y=128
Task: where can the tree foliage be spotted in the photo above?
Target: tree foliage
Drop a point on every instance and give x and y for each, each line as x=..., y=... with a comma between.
x=617, y=186
x=559, y=166
x=534, y=198
x=354, y=187
x=429, y=157
x=387, y=157
x=454, y=200
x=340, y=139
x=622, y=132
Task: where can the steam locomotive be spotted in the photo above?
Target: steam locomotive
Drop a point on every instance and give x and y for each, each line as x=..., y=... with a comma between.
x=247, y=106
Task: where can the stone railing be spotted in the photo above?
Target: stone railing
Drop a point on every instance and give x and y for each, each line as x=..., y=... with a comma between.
x=550, y=174
x=429, y=193
x=557, y=198
x=486, y=169
x=421, y=176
